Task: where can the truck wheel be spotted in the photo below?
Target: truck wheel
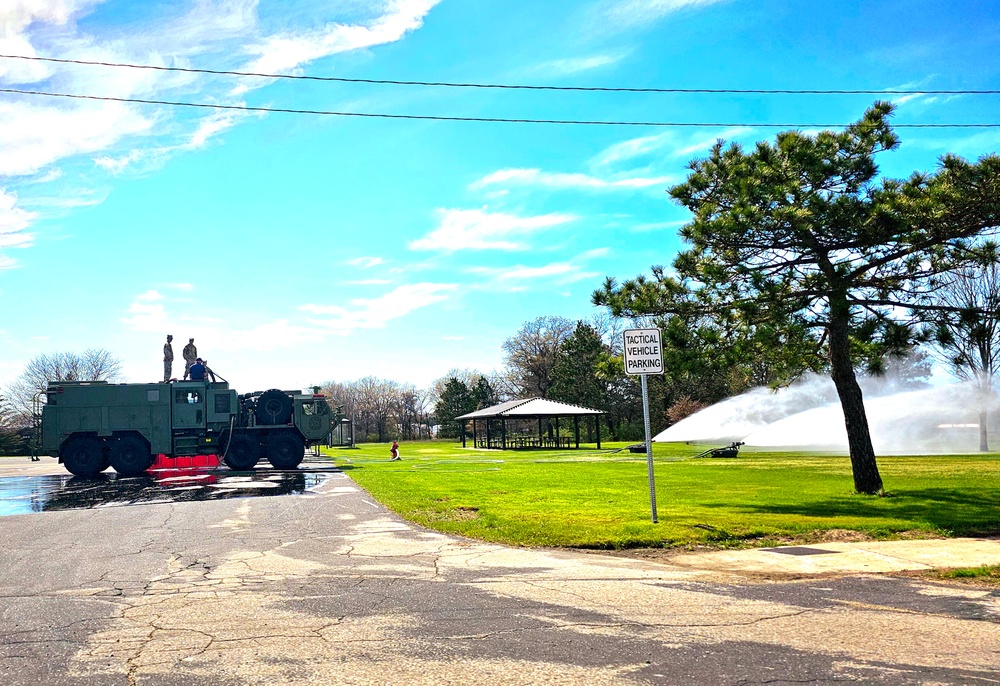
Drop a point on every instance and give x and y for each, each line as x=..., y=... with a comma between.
x=285, y=450
x=274, y=407
x=242, y=454
x=84, y=456
x=130, y=455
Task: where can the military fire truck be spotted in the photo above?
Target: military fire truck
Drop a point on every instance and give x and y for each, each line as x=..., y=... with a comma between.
x=91, y=425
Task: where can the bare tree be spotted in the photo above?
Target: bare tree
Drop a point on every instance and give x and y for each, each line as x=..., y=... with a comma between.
x=414, y=412
x=91, y=365
x=378, y=402
x=532, y=353
x=10, y=441
x=968, y=332
x=609, y=328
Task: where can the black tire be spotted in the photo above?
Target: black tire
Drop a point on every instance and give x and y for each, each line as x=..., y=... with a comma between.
x=242, y=454
x=285, y=450
x=84, y=456
x=273, y=407
x=130, y=455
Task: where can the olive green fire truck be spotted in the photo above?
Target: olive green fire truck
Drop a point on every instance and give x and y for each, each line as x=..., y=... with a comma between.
x=91, y=425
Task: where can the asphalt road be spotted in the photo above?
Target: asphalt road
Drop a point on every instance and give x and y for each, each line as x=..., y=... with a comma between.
x=328, y=587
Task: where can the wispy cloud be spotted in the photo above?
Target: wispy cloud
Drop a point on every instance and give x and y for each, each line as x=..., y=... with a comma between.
x=560, y=272
x=375, y=313
x=482, y=230
x=575, y=65
x=147, y=312
x=517, y=277
x=562, y=181
x=670, y=144
x=369, y=282
x=366, y=262
x=911, y=99
x=658, y=226
x=628, y=14
x=14, y=222
x=283, y=53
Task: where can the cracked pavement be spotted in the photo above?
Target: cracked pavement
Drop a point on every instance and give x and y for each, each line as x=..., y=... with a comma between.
x=329, y=587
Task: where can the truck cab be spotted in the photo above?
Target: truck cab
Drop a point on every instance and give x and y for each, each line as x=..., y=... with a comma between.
x=200, y=413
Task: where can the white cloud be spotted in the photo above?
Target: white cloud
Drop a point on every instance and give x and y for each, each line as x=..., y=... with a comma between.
x=51, y=175
x=914, y=98
x=673, y=144
x=35, y=135
x=630, y=149
x=145, y=314
x=702, y=144
x=37, y=132
x=375, y=313
x=638, y=13
x=283, y=53
x=213, y=125
x=575, y=65
x=14, y=222
x=536, y=177
x=482, y=230
x=369, y=282
x=560, y=272
x=16, y=16
x=366, y=262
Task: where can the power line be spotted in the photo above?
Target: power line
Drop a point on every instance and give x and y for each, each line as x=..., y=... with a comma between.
x=489, y=120
x=507, y=86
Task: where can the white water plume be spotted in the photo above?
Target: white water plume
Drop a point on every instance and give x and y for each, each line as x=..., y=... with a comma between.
x=808, y=415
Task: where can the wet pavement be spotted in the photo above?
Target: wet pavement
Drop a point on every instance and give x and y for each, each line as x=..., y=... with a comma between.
x=46, y=492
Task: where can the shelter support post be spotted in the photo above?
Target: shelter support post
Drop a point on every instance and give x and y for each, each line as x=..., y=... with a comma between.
x=463, y=431
x=558, y=438
x=540, y=438
x=597, y=423
x=576, y=430
x=488, y=439
x=503, y=433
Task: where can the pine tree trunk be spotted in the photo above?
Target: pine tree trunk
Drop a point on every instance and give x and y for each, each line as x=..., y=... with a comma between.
x=859, y=441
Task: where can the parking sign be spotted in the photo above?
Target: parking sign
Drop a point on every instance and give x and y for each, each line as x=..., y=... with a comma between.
x=643, y=354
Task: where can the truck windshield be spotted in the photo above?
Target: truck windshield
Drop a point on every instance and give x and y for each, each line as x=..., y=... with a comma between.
x=188, y=396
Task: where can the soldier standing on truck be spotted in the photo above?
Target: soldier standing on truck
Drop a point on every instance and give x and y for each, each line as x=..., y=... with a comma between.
x=190, y=354
x=168, y=358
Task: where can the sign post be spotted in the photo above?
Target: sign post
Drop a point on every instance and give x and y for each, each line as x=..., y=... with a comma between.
x=643, y=356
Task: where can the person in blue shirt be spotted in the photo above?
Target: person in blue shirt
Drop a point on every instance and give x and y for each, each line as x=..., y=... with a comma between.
x=199, y=369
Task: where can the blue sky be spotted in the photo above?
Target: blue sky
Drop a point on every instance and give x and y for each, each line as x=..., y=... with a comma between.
x=299, y=249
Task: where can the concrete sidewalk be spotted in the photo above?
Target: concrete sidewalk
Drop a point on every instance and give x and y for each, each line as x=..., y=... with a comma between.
x=872, y=557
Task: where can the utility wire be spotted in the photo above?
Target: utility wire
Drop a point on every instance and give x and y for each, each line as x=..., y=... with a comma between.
x=493, y=120
x=504, y=86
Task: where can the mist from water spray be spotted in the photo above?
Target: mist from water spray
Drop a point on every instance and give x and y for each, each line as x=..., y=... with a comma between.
x=807, y=415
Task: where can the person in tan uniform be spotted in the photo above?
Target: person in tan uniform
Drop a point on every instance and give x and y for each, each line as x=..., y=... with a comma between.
x=168, y=358
x=190, y=354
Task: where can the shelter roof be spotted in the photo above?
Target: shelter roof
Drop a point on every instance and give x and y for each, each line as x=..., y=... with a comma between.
x=531, y=407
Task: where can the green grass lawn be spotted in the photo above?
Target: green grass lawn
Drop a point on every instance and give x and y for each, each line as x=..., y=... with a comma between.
x=600, y=499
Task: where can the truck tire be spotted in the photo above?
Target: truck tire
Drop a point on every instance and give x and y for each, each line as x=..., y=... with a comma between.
x=285, y=450
x=130, y=455
x=273, y=407
x=84, y=456
x=242, y=454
